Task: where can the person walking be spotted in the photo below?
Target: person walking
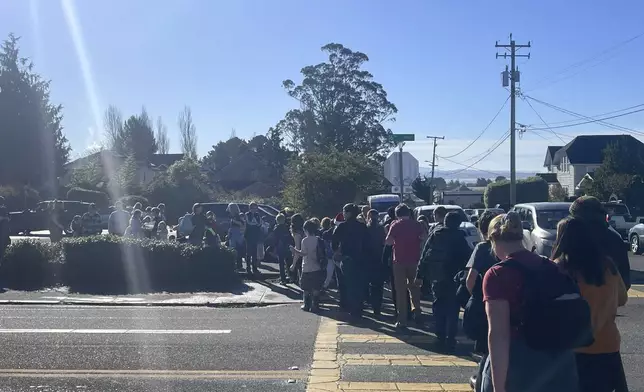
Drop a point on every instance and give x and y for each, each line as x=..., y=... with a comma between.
x=350, y=247
x=5, y=229
x=445, y=254
x=405, y=236
x=199, y=225
x=599, y=366
x=327, y=236
x=118, y=220
x=252, y=236
x=92, y=221
x=236, y=232
x=282, y=240
x=513, y=364
x=375, y=268
x=135, y=229
x=56, y=227
x=589, y=210
x=313, y=274
x=211, y=237
x=474, y=319
x=297, y=232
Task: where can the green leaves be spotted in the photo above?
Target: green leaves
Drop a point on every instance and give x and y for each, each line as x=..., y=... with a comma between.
x=341, y=107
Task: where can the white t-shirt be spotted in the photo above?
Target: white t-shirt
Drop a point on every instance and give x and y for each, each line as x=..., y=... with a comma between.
x=309, y=249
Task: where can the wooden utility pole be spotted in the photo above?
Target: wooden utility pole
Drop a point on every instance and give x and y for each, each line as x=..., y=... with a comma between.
x=513, y=75
x=431, y=186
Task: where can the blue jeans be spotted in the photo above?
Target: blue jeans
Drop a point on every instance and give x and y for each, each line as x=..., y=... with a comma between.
x=445, y=308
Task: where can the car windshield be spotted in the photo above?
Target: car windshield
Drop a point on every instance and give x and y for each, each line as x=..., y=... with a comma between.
x=548, y=219
x=616, y=209
x=383, y=206
x=429, y=213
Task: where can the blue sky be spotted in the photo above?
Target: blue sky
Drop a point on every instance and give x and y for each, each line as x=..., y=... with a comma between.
x=436, y=59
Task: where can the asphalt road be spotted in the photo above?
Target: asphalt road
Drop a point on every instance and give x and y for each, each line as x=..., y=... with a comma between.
x=181, y=349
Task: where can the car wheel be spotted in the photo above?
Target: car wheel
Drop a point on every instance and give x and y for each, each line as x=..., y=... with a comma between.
x=635, y=245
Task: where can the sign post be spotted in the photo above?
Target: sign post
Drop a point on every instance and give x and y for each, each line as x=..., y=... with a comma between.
x=400, y=139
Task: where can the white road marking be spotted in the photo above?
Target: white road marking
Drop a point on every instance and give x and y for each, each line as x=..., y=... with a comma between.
x=120, y=331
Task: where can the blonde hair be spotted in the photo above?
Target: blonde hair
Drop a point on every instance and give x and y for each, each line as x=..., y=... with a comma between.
x=506, y=228
x=233, y=209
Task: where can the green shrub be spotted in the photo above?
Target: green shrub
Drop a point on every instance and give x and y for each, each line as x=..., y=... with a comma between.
x=79, y=194
x=131, y=200
x=532, y=189
x=105, y=264
x=31, y=265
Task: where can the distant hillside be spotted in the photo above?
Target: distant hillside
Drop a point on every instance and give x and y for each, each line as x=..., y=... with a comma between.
x=472, y=175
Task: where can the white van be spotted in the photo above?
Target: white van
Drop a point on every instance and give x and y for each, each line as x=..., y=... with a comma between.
x=382, y=203
x=471, y=232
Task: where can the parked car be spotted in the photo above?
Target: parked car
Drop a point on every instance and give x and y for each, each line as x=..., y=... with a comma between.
x=37, y=219
x=620, y=218
x=635, y=236
x=476, y=213
x=540, y=224
x=223, y=220
x=471, y=232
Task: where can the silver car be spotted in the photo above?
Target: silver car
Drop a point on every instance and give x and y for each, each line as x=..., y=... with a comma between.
x=540, y=224
x=635, y=236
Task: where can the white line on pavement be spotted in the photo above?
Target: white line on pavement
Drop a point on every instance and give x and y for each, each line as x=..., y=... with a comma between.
x=121, y=331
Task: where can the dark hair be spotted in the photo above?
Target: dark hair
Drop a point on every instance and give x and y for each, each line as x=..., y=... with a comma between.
x=423, y=218
x=310, y=227
x=326, y=223
x=579, y=255
x=391, y=212
x=484, y=221
x=453, y=220
x=402, y=210
x=440, y=212
x=297, y=223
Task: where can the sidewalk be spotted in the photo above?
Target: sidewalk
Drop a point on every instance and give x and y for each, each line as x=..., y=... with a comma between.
x=249, y=294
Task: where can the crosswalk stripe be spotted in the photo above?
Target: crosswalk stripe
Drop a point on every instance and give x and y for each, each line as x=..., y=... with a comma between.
x=152, y=374
x=118, y=331
x=632, y=293
x=402, y=386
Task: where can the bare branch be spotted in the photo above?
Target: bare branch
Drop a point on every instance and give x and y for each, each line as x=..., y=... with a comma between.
x=113, y=124
x=163, y=141
x=188, y=133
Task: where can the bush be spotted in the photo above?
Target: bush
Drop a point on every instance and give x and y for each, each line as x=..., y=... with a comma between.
x=19, y=198
x=131, y=200
x=79, y=194
x=105, y=264
x=31, y=265
x=532, y=189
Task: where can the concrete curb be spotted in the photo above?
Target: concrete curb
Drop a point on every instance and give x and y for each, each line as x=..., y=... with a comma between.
x=148, y=303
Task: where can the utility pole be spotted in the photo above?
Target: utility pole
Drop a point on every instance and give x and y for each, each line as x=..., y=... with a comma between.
x=513, y=75
x=431, y=187
x=401, y=173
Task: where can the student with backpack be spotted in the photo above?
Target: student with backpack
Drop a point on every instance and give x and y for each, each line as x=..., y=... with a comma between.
x=313, y=257
x=445, y=254
x=536, y=317
x=599, y=365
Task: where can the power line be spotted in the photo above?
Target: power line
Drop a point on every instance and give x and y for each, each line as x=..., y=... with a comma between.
x=499, y=140
x=590, y=119
x=483, y=131
x=596, y=115
x=538, y=133
x=540, y=83
x=490, y=151
x=541, y=118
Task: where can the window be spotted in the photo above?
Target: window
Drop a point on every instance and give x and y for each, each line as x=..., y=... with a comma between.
x=565, y=164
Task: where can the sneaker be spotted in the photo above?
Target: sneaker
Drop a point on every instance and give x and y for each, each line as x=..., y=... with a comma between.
x=305, y=308
x=400, y=325
x=473, y=382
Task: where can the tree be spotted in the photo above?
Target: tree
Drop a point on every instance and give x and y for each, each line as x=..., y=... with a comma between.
x=482, y=181
x=341, y=107
x=422, y=188
x=453, y=184
x=33, y=148
x=557, y=193
x=137, y=138
x=113, y=124
x=224, y=152
x=188, y=133
x=126, y=179
x=163, y=142
x=319, y=184
x=91, y=175
x=500, y=179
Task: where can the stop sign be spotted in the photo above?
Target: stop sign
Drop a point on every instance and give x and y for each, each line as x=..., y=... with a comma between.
x=410, y=168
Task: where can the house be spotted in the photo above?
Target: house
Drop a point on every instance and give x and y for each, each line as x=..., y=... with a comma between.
x=111, y=162
x=572, y=162
x=550, y=178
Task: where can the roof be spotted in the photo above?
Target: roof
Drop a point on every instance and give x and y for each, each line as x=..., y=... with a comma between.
x=589, y=149
x=546, y=205
x=434, y=206
x=550, y=178
x=550, y=153
x=165, y=159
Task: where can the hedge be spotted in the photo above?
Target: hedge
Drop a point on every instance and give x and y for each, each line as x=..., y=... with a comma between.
x=19, y=198
x=131, y=200
x=532, y=189
x=115, y=265
x=79, y=194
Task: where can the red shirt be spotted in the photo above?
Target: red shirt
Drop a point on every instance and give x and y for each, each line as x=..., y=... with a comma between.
x=506, y=283
x=406, y=234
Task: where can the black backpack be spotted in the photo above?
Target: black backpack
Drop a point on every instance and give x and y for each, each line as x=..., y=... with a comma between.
x=553, y=319
x=321, y=255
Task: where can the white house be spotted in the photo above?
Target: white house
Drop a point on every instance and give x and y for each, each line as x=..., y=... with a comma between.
x=585, y=153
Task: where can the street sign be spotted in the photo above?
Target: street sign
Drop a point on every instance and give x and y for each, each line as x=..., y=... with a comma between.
x=404, y=137
x=410, y=168
x=406, y=189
